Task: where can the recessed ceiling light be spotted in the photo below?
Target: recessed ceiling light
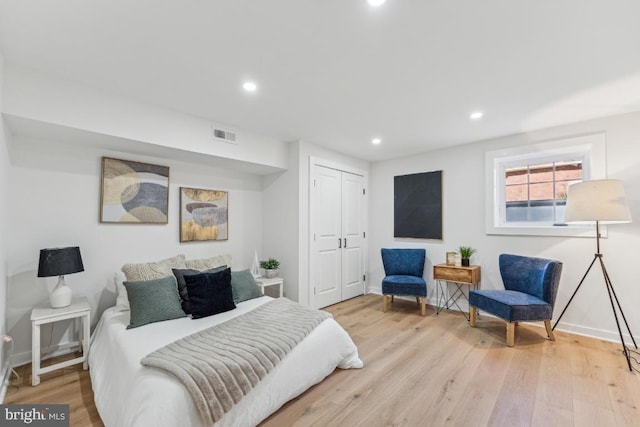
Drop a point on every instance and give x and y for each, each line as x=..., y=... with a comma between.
x=375, y=3
x=376, y=141
x=249, y=86
x=476, y=115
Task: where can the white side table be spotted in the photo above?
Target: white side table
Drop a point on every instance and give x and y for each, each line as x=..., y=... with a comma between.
x=43, y=314
x=274, y=281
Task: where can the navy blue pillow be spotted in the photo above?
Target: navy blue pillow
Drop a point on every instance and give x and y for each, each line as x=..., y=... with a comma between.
x=210, y=293
x=179, y=274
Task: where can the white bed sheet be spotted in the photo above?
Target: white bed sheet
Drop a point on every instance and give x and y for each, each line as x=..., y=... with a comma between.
x=129, y=394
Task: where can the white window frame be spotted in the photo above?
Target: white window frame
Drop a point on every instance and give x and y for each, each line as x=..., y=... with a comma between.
x=588, y=148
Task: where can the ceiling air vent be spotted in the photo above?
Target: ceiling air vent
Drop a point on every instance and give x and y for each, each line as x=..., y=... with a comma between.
x=223, y=135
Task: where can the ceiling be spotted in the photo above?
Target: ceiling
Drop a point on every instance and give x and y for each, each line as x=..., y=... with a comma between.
x=338, y=72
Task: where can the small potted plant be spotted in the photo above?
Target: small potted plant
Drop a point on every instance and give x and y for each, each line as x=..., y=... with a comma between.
x=465, y=253
x=270, y=267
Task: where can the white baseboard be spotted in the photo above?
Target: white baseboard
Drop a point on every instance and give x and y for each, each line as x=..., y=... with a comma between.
x=602, y=334
x=47, y=353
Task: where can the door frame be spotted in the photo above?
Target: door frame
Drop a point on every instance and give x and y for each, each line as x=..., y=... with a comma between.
x=317, y=161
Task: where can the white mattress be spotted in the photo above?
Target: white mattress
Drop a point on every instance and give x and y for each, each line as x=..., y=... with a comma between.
x=129, y=394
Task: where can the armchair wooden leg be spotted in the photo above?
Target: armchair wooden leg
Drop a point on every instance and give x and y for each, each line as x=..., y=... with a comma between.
x=418, y=300
x=511, y=333
x=473, y=313
x=384, y=303
x=423, y=301
x=392, y=298
x=547, y=324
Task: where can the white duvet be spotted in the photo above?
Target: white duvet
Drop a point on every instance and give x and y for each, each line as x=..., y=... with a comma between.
x=129, y=394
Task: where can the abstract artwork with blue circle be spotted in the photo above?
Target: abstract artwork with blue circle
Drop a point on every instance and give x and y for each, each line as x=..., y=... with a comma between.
x=134, y=192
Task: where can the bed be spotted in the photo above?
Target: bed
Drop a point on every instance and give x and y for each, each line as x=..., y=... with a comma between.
x=129, y=394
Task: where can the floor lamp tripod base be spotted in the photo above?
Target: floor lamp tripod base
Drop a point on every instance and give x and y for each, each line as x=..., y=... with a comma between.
x=612, y=296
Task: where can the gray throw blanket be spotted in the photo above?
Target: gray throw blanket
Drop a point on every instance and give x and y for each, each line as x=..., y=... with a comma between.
x=221, y=364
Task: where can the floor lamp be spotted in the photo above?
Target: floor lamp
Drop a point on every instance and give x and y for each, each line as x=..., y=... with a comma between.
x=604, y=202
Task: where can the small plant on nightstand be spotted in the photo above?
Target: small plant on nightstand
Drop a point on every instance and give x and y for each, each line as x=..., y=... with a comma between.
x=465, y=253
x=270, y=267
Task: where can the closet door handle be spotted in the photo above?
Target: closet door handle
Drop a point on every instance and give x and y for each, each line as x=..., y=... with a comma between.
x=339, y=243
x=345, y=242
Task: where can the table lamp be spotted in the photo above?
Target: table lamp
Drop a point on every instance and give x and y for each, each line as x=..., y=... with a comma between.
x=58, y=262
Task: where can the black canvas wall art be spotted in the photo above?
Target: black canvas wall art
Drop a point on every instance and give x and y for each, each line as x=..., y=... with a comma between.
x=417, y=209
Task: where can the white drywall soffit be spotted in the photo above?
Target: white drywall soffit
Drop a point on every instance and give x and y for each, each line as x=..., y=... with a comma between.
x=32, y=131
x=39, y=98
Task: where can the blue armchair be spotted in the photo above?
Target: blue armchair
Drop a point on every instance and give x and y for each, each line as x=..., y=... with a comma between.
x=403, y=269
x=531, y=285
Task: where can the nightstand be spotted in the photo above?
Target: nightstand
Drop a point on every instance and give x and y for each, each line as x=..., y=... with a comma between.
x=43, y=314
x=274, y=281
x=460, y=276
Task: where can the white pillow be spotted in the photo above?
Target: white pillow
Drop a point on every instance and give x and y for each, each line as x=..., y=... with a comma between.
x=153, y=270
x=142, y=272
x=209, y=263
x=122, y=300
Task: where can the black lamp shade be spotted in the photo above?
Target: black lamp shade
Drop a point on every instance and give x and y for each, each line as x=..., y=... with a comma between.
x=60, y=261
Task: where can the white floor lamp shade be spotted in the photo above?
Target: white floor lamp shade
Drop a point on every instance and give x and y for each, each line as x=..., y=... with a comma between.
x=602, y=200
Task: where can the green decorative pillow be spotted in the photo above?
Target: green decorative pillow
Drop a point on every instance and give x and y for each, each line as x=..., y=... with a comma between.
x=244, y=286
x=153, y=301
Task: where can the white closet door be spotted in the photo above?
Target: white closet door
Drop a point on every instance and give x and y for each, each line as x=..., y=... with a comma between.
x=352, y=235
x=326, y=277
x=337, y=252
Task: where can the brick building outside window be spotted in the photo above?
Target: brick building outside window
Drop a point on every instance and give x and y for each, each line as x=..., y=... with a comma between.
x=538, y=192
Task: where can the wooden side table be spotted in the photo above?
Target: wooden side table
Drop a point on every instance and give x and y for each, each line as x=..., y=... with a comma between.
x=274, y=281
x=459, y=276
x=43, y=314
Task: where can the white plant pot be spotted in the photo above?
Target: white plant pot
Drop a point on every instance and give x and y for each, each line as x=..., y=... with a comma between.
x=271, y=273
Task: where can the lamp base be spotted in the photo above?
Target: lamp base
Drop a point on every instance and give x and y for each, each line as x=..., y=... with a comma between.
x=61, y=295
x=612, y=295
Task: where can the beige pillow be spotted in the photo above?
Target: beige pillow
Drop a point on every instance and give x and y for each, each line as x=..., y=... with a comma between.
x=153, y=270
x=209, y=263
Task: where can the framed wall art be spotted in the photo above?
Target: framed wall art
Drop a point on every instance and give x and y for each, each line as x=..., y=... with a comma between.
x=204, y=214
x=134, y=192
x=417, y=205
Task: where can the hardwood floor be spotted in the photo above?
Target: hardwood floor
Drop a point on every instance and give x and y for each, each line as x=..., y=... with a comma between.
x=70, y=386
x=433, y=370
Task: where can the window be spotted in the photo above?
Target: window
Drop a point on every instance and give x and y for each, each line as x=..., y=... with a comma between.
x=538, y=192
x=527, y=186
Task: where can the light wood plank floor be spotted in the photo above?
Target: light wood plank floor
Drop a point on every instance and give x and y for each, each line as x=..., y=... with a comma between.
x=433, y=370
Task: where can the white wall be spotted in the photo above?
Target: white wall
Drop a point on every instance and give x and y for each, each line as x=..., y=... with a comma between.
x=4, y=196
x=59, y=206
x=464, y=207
x=280, y=222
